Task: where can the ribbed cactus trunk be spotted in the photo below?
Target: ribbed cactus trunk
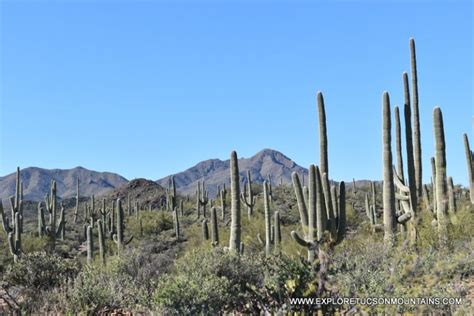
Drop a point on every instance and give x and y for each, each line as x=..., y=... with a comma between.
x=266, y=203
x=451, y=198
x=120, y=234
x=101, y=237
x=76, y=209
x=277, y=233
x=433, y=185
x=342, y=221
x=318, y=196
x=222, y=195
x=214, y=228
x=247, y=196
x=409, y=143
x=323, y=139
x=235, y=225
x=398, y=143
x=470, y=167
x=90, y=245
x=301, y=201
x=205, y=230
x=176, y=223
x=416, y=121
x=388, y=185
x=441, y=179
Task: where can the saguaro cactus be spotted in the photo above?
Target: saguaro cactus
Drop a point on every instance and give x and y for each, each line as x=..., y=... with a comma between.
x=409, y=143
x=214, y=228
x=222, y=195
x=416, y=121
x=247, y=196
x=202, y=198
x=313, y=215
x=323, y=138
x=101, y=237
x=119, y=237
x=388, y=186
x=266, y=202
x=398, y=143
x=205, y=229
x=171, y=197
x=433, y=184
x=341, y=228
x=90, y=245
x=451, y=197
x=277, y=233
x=441, y=180
x=15, y=228
x=53, y=230
x=235, y=226
x=76, y=209
x=176, y=223
x=470, y=166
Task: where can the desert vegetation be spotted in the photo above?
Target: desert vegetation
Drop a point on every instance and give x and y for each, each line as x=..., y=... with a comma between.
x=253, y=247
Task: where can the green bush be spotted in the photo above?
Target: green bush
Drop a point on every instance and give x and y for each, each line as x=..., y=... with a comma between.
x=210, y=281
x=40, y=271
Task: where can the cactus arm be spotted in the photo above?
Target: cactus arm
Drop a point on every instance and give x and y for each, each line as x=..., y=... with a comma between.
x=5, y=221
x=299, y=240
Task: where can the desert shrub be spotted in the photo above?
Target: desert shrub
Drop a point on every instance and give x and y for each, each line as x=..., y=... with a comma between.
x=100, y=288
x=40, y=271
x=210, y=281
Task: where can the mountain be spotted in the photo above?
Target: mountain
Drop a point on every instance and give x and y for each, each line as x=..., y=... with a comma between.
x=37, y=182
x=216, y=172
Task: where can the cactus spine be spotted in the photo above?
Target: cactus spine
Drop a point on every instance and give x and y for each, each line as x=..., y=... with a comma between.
x=247, y=196
x=214, y=228
x=388, y=186
x=470, y=167
x=118, y=237
x=235, y=226
x=266, y=202
x=416, y=121
x=441, y=181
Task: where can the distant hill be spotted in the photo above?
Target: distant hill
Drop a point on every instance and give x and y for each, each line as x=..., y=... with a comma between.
x=36, y=182
x=216, y=172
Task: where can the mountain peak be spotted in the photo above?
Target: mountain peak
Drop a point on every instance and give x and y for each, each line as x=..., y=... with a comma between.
x=215, y=172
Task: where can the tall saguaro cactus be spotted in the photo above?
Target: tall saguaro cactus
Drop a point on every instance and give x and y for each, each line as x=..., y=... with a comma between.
x=76, y=209
x=266, y=202
x=470, y=166
x=398, y=143
x=54, y=229
x=119, y=236
x=222, y=195
x=101, y=237
x=441, y=179
x=15, y=228
x=235, y=225
x=342, y=222
x=90, y=244
x=416, y=121
x=247, y=196
x=323, y=138
x=214, y=228
x=277, y=233
x=409, y=143
x=388, y=186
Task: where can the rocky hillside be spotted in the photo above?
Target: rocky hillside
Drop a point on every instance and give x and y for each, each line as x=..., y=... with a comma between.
x=36, y=182
x=216, y=172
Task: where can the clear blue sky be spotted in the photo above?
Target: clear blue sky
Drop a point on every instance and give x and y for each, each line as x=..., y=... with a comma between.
x=149, y=88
